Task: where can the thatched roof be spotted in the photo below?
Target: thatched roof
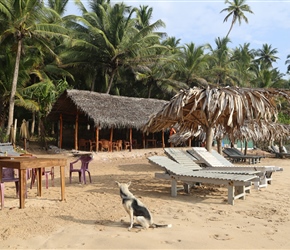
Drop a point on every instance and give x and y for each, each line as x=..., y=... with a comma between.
x=205, y=107
x=104, y=110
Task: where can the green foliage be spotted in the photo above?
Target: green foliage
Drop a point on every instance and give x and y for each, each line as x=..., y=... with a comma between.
x=283, y=118
x=3, y=136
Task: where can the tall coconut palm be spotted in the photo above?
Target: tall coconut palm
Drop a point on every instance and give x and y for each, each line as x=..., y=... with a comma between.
x=107, y=37
x=190, y=62
x=220, y=65
x=267, y=55
x=27, y=20
x=287, y=62
x=236, y=9
x=243, y=58
x=58, y=5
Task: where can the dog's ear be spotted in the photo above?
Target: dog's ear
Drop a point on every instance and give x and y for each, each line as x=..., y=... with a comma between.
x=129, y=183
x=117, y=183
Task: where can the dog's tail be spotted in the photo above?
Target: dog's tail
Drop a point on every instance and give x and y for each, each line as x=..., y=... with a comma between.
x=158, y=225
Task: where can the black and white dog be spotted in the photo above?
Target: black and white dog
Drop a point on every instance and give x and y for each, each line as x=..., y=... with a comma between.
x=135, y=207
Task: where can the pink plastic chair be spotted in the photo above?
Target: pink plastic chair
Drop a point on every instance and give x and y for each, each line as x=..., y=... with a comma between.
x=45, y=172
x=84, y=167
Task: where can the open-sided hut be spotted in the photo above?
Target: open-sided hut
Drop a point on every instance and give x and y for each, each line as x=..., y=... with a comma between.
x=91, y=112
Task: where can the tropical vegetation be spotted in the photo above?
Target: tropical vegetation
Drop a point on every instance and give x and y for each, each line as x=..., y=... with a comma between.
x=114, y=48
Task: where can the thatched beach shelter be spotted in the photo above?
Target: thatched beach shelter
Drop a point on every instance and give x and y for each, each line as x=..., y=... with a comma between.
x=228, y=107
x=101, y=111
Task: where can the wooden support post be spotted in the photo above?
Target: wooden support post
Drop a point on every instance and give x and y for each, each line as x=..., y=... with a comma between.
x=76, y=131
x=163, y=140
x=173, y=187
x=131, y=139
x=111, y=140
x=60, y=130
x=143, y=139
x=97, y=139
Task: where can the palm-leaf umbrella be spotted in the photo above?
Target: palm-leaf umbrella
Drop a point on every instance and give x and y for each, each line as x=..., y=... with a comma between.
x=24, y=133
x=228, y=107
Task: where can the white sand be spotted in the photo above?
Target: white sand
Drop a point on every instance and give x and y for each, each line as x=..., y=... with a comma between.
x=92, y=217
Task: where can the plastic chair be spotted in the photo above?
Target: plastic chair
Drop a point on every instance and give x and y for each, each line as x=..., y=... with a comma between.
x=84, y=160
x=44, y=172
x=8, y=175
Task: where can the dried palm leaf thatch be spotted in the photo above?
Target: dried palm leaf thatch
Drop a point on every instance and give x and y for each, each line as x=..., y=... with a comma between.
x=228, y=107
x=104, y=110
x=256, y=131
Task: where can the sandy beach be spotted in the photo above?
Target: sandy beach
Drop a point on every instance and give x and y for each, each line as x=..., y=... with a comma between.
x=92, y=217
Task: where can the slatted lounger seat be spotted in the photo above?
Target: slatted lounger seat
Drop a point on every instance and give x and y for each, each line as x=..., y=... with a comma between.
x=214, y=160
x=184, y=158
x=237, y=184
x=236, y=156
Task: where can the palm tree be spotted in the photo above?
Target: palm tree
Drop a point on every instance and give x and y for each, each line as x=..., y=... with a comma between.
x=58, y=5
x=288, y=62
x=266, y=56
x=26, y=20
x=143, y=16
x=243, y=58
x=190, y=63
x=236, y=9
x=220, y=70
x=108, y=38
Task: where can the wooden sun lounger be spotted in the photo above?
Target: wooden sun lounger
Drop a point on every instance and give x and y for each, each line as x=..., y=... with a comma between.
x=236, y=156
x=184, y=158
x=212, y=162
x=237, y=184
x=279, y=154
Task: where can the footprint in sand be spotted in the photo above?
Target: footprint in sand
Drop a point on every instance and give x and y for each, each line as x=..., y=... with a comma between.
x=222, y=237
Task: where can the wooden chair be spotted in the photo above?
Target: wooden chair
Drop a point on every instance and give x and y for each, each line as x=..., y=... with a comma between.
x=83, y=144
x=106, y=145
x=92, y=145
x=126, y=145
x=118, y=145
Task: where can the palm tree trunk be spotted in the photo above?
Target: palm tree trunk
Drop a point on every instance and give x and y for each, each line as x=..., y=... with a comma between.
x=111, y=81
x=209, y=138
x=32, y=123
x=219, y=146
x=230, y=29
x=13, y=87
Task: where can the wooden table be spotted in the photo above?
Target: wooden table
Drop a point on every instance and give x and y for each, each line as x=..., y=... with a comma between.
x=152, y=141
x=25, y=163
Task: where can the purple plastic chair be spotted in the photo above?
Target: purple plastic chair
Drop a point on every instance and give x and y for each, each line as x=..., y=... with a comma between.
x=8, y=175
x=84, y=167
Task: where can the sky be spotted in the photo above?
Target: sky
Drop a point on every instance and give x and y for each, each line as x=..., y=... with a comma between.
x=201, y=22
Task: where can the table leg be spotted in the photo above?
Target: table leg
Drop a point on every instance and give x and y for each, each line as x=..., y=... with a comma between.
x=22, y=187
x=39, y=182
x=62, y=182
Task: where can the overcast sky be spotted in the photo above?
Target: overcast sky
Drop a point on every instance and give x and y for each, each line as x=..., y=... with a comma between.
x=201, y=22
